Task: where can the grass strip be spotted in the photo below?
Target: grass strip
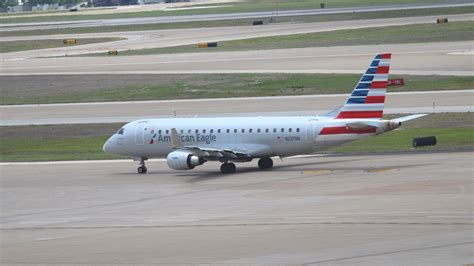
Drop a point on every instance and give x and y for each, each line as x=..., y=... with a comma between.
x=418, y=33
x=247, y=22
x=455, y=131
x=15, y=46
x=195, y=86
x=449, y=139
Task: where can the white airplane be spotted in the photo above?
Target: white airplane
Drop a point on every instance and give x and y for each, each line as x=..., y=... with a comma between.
x=190, y=142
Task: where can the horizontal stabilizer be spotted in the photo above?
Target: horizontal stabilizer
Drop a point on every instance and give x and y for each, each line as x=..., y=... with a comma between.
x=408, y=118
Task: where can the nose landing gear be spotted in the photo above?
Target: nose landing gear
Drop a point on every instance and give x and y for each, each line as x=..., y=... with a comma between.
x=142, y=168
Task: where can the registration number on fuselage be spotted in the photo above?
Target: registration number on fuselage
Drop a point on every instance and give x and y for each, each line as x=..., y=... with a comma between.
x=293, y=138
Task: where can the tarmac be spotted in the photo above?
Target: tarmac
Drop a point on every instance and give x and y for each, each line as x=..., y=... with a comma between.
x=136, y=40
x=222, y=16
x=399, y=209
x=413, y=59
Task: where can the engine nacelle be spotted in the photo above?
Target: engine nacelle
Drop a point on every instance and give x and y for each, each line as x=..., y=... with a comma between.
x=182, y=160
x=388, y=125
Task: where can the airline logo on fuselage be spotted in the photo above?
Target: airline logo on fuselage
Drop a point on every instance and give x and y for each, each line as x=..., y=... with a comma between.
x=196, y=138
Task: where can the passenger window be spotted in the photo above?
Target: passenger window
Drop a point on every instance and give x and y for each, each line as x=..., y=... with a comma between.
x=197, y=131
x=250, y=130
x=203, y=131
x=120, y=132
x=235, y=130
x=267, y=130
x=189, y=131
x=212, y=130
x=182, y=131
x=243, y=130
x=159, y=131
x=228, y=130
x=274, y=130
x=218, y=131
x=258, y=130
x=297, y=130
x=289, y=130
x=282, y=130
x=167, y=131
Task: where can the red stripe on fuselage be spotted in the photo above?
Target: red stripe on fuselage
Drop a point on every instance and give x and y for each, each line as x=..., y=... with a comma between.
x=386, y=56
x=375, y=99
x=360, y=114
x=345, y=130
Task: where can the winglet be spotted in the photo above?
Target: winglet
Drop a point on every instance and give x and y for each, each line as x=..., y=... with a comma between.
x=175, y=139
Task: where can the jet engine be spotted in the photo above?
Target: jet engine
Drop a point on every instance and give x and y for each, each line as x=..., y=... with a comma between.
x=182, y=160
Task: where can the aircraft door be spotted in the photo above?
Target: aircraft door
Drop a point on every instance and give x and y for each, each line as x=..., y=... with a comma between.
x=312, y=131
x=140, y=133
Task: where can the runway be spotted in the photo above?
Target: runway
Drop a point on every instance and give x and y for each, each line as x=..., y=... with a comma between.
x=412, y=209
x=414, y=59
x=213, y=17
x=166, y=38
x=78, y=113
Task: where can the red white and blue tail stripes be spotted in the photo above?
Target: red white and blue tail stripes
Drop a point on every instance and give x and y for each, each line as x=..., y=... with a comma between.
x=368, y=97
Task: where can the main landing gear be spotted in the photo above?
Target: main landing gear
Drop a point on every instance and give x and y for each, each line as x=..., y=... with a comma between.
x=142, y=168
x=265, y=163
x=228, y=168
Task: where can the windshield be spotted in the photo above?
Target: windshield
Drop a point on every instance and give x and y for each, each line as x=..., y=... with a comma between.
x=120, y=131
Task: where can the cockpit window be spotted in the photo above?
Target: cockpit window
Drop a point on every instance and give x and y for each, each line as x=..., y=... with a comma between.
x=120, y=132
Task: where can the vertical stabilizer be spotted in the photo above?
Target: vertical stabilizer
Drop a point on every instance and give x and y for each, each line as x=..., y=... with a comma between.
x=368, y=97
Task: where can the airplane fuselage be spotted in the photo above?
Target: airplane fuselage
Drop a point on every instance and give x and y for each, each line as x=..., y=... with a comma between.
x=258, y=136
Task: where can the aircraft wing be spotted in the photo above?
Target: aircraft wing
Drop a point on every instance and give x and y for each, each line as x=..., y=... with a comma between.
x=209, y=153
x=217, y=153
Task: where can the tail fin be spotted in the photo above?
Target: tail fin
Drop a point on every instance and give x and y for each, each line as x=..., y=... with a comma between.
x=368, y=97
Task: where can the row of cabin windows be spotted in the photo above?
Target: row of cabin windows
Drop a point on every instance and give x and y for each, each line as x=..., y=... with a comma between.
x=290, y=130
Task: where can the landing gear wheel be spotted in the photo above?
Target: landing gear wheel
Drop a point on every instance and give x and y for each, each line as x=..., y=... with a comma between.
x=142, y=170
x=265, y=163
x=228, y=168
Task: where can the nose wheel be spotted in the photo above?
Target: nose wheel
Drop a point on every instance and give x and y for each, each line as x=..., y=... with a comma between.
x=228, y=168
x=142, y=168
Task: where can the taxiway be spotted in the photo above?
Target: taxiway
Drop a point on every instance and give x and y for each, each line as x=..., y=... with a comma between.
x=79, y=113
x=412, y=209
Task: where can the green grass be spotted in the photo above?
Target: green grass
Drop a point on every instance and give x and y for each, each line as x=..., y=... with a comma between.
x=401, y=140
x=34, y=149
x=419, y=33
x=246, y=22
x=248, y=6
x=454, y=131
x=221, y=86
x=14, y=46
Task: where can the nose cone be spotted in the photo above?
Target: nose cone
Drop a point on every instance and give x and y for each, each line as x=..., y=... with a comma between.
x=108, y=145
